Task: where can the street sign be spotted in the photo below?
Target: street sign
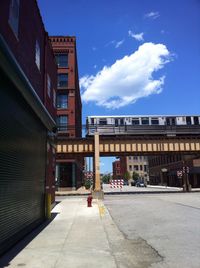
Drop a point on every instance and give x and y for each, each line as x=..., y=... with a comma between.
x=186, y=170
x=179, y=173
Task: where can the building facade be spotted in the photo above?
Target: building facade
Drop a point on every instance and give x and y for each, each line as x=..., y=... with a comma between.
x=28, y=77
x=130, y=164
x=138, y=164
x=69, y=109
x=117, y=174
x=166, y=170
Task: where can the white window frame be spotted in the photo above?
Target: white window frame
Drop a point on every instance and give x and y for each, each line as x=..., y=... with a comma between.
x=48, y=85
x=54, y=98
x=37, y=54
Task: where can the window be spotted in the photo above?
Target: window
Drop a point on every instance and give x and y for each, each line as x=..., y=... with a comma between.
x=14, y=16
x=62, y=101
x=92, y=121
x=37, y=54
x=188, y=120
x=62, y=122
x=154, y=121
x=135, y=121
x=103, y=121
x=145, y=121
x=135, y=158
x=62, y=80
x=54, y=98
x=141, y=168
x=196, y=120
x=136, y=167
x=130, y=157
x=121, y=121
x=145, y=168
x=62, y=60
x=130, y=168
x=49, y=86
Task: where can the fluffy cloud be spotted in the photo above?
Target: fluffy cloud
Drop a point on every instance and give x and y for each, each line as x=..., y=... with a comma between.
x=138, y=37
x=128, y=79
x=152, y=15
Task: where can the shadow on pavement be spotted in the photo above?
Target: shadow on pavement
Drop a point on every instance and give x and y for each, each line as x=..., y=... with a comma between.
x=15, y=250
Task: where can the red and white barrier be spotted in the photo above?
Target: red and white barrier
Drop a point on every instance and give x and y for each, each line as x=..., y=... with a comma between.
x=116, y=183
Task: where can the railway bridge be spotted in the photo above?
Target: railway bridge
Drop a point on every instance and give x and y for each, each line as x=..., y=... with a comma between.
x=97, y=146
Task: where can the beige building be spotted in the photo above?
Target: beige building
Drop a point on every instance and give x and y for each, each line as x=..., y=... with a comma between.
x=138, y=164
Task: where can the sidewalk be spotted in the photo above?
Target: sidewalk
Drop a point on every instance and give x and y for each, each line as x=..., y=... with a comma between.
x=78, y=236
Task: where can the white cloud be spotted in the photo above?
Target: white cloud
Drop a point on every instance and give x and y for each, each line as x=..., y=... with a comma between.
x=115, y=43
x=138, y=37
x=119, y=43
x=95, y=66
x=128, y=79
x=152, y=15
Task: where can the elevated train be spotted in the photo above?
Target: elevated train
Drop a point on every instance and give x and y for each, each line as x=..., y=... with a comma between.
x=155, y=125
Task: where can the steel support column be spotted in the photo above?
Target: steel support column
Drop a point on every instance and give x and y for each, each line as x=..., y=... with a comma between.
x=97, y=193
x=73, y=176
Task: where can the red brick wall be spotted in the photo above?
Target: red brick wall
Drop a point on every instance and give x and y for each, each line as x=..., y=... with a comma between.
x=74, y=110
x=51, y=70
x=30, y=29
x=117, y=170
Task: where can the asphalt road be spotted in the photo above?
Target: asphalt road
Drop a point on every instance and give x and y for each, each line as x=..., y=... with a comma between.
x=164, y=227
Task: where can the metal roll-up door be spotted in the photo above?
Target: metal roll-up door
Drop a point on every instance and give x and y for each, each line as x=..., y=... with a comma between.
x=22, y=166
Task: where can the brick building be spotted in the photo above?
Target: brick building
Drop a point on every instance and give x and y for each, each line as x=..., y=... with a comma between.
x=69, y=109
x=117, y=175
x=28, y=78
x=163, y=170
x=139, y=164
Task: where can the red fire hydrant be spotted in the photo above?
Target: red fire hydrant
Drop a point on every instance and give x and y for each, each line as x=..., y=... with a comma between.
x=89, y=201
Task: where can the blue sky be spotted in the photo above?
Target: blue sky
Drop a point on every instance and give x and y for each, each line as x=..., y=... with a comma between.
x=134, y=56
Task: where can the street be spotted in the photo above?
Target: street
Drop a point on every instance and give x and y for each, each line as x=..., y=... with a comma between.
x=165, y=225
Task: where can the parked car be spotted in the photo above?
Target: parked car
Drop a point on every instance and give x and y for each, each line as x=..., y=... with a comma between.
x=133, y=183
x=125, y=182
x=140, y=184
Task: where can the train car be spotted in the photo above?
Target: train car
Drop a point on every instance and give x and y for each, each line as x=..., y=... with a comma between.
x=143, y=125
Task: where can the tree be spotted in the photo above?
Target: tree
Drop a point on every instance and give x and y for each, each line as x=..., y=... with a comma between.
x=127, y=176
x=135, y=176
x=106, y=178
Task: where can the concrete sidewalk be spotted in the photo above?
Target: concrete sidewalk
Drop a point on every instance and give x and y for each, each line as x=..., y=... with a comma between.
x=78, y=236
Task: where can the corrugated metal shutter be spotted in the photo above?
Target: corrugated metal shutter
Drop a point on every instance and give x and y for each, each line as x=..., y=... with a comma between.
x=22, y=166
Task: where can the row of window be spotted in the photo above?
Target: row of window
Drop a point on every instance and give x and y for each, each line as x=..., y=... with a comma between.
x=138, y=158
x=170, y=121
x=14, y=24
x=138, y=167
x=164, y=159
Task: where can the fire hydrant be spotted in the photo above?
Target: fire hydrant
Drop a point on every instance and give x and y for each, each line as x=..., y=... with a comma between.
x=89, y=201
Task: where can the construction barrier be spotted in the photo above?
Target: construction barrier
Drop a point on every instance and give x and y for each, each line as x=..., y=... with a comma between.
x=116, y=183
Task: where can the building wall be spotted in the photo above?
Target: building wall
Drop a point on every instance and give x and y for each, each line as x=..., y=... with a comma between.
x=30, y=29
x=138, y=164
x=117, y=170
x=26, y=125
x=67, y=44
x=163, y=170
x=69, y=171
x=23, y=46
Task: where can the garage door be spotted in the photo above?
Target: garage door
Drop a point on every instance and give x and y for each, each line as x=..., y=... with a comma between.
x=22, y=166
